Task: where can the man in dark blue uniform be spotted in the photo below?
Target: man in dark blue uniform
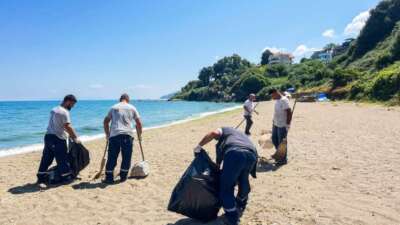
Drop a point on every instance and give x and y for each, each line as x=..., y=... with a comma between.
x=239, y=157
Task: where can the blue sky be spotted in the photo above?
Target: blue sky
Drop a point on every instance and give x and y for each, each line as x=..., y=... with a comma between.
x=99, y=49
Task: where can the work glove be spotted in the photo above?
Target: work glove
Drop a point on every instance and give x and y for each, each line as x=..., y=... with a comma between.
x=197, y=149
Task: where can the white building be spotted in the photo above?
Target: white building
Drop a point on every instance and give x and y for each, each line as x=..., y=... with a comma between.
x=281, y=58
x=325, y=55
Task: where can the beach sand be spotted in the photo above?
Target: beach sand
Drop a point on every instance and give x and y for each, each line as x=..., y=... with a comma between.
x=344, y=167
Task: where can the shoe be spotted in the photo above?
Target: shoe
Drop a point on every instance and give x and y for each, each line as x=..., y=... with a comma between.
x=281, y=162
x=41, y=185
x=226, y=221
x=231, y=218
x=123, y=176
x=106, y=181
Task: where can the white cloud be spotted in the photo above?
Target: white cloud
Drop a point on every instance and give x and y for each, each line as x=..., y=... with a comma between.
x=96, y=86
x=274, y=49
x=303, y=51
x=330, y=33
x=357, y=24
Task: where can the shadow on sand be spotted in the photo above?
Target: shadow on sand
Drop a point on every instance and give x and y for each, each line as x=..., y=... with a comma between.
x=30, y=188
x=264, y=165
x=188, y=221
x=88, y=185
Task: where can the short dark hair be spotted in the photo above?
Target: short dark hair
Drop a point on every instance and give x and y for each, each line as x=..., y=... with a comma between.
x=273, y=90
x=124, y=97
x=70, y=98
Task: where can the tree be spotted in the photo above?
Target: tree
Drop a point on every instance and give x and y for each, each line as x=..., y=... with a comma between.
x=276, y=70
x=253, y=84
x=330, y=46
x=205, y=75
x=265, y=57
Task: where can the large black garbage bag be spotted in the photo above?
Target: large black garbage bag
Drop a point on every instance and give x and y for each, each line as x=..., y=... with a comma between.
x=78, y=158
x=196, y=194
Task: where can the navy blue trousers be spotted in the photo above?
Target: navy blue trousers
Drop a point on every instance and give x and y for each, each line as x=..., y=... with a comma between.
x=54, y=147
x=236, y=170
x=278, y=134
x=120, y=143
x=249, y=123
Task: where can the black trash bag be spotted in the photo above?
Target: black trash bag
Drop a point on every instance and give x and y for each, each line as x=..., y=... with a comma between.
x=196, y=194
x=78, y=158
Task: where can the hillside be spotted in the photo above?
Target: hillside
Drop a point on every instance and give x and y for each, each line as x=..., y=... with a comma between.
x=369, y=70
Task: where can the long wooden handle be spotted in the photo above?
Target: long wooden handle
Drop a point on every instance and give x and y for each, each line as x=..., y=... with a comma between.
x=140, y=145
x=294, y=107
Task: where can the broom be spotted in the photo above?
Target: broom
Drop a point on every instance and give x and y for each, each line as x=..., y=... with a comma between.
x=245, y=118
x=282, y=148
x=102, y=164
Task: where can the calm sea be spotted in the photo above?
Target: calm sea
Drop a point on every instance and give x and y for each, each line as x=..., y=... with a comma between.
x=23, y=123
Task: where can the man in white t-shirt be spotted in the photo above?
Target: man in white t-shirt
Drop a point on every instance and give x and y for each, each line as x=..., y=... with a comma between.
x=281, y=121
x=249, y=108
x=120, y=136
x=59, y=130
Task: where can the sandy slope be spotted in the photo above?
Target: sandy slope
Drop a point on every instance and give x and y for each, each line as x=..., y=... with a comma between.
x=344, y=169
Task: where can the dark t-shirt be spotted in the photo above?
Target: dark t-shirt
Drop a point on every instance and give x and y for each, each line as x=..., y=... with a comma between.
x=232, y=139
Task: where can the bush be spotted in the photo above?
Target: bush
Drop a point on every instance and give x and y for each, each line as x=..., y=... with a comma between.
x=357, y=90
x=386, y=83
x=277, y=70
x=253, y=84
x=263, y=94
x=343, y=76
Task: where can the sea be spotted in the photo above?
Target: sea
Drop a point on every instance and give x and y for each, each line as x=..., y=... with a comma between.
x=23, y=123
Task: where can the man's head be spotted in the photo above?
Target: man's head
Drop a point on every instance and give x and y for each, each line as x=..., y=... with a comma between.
x=252, y=97
x=69, y=102
x=124, y=98
x=275, y=94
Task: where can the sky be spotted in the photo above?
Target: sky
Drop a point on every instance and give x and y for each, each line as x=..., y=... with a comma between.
x=98, y=49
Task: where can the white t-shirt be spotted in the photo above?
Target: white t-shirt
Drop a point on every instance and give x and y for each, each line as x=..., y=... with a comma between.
x=280, y=113
x=121, y=116
x=249, y=105
x=59, y=116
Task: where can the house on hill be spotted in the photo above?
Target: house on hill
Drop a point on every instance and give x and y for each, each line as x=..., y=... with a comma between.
x=325, y=55
x=281, y=58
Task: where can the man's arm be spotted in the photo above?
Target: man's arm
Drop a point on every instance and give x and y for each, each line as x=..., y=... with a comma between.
x=106, y=125
x=209, y=137
x=139, y=127
x=70, y=130
x=289, y=116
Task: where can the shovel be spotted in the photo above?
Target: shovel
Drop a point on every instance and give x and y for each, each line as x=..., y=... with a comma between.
x=281, y=152
x=141, y=169
x=102, y=164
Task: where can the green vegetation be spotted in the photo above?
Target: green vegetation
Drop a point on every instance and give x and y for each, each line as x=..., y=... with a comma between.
x=368, y=70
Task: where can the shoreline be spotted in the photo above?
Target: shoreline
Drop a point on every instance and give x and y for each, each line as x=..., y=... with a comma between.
x=89, y=138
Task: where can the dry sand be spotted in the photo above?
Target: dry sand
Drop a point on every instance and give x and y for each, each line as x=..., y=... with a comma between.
x=344, y=167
